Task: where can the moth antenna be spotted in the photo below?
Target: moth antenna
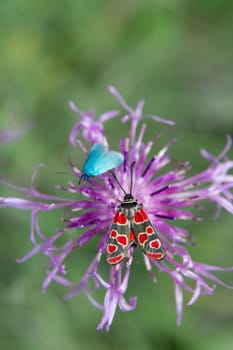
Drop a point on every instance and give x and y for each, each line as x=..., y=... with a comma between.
x=118, y=182
x=131, y=177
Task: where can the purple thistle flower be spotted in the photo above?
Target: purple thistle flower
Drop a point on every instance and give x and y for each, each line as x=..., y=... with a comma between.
x=165, y=194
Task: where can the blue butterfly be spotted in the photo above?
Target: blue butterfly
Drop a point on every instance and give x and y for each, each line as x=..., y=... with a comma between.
x=99, y=161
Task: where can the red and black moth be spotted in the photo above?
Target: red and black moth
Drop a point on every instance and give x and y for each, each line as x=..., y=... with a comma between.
x=131, y=226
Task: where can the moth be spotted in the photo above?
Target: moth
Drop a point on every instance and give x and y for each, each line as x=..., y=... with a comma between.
x=99, y=161
x=131, y=226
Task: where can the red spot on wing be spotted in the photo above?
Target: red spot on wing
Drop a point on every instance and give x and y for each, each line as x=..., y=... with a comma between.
x=115, y=220
x=150, y=230
x=142, y=237
x=122, y=239
x=111, y=248
x=120, y=218
x=140, y=216
x=143, y=214
x=157, y=256
x=155, y=244
x=115, y=259
x=113, y=234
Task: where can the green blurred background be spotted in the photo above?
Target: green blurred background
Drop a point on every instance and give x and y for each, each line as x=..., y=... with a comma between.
x=176, y=54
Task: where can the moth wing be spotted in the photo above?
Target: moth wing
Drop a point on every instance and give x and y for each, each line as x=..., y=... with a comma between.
x=146, y=236
x=101, y=160
x=95, y=155
x=118, y=241
x=111, y=160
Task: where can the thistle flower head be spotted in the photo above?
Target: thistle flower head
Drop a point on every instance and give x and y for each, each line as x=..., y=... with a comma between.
x=164, y=188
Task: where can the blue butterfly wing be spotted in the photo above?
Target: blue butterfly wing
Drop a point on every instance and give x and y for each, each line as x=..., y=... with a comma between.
x=100, y=160
x=108, y=161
